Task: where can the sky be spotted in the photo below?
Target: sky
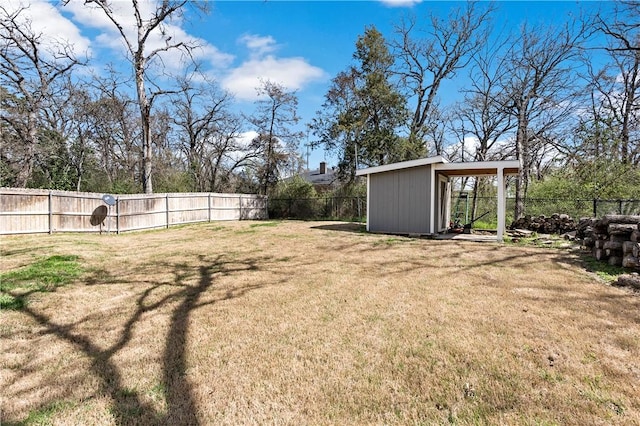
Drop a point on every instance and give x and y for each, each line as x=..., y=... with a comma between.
x=299, y=44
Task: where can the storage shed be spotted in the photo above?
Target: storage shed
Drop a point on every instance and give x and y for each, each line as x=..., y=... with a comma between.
x=414, y=197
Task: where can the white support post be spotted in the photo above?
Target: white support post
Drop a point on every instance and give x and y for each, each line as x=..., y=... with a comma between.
x=368, y=199
x=502, y=202
x=50, y=212
x=167, y=209
x=117, y=214
x=433, y=201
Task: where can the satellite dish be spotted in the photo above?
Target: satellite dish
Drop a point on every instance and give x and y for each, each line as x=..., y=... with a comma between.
x=109, y=200
x=98, y=216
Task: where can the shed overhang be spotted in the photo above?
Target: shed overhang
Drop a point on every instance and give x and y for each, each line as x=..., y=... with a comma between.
x=479, y=168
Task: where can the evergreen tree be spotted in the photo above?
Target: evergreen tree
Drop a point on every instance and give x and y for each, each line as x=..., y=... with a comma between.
x=363, y=111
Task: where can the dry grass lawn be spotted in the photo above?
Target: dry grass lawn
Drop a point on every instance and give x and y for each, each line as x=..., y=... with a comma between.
x=316, y=323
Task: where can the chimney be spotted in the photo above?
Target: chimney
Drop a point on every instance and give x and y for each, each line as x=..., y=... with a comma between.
x=323, y=167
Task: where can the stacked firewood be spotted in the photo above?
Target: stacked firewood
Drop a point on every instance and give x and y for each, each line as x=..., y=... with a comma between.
x=614, y=238
x=556, y=224
x=628, y=280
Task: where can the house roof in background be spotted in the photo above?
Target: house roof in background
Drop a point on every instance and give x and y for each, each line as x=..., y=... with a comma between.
x=316, y=178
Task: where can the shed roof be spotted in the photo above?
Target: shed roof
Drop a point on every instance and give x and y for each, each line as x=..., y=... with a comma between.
x=471, y=168
x=402, y=165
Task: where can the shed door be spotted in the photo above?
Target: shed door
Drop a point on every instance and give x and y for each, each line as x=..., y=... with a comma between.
x=444, y=199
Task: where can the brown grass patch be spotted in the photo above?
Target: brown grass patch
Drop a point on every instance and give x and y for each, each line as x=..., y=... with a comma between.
x=316, y=323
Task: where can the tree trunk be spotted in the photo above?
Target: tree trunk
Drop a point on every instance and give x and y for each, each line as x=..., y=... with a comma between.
x=519, y=206
x=521, y=180
x=80, y=170
x=145, y=118
x=147, y=184
x=24, y=174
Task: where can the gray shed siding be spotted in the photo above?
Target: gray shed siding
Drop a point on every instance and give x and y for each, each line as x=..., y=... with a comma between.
x=399, y=201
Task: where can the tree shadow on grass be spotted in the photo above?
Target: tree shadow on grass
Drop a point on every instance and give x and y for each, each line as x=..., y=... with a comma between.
x=127, y=405
x=353, y=227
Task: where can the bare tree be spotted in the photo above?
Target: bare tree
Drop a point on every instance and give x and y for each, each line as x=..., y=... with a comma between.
x=623, y=27
x=209, y=134
x=142, y=56
x=202, y=115
x=434, y=131
x=540, y=91
x=113, y=130
x=69, y=118
x=425, y=62
x=481, y=115
x=276, y=141
x=29, y=71
x=227, y=153
x=618, y=83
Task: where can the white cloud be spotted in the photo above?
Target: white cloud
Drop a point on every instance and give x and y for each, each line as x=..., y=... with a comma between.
x=173, y=60
x=293, y=73
x=245, y=138
x=470, y=141
x=243, y=141
x=400, y=3
x=262, y=62
x=211, y=54
x=45, y=19
x=259, y=45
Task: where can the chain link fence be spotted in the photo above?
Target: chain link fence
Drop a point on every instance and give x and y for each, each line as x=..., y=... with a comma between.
x=461, y=208
x=628, y=207
x=355, y=208
x=321, y=208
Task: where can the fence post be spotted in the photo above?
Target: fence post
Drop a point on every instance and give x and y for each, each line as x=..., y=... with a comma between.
x=240, y=207
x=167, y=209
x=619, y=206
x=209, y=205
x=50, y=212
x=118, y=215
x=595, y=207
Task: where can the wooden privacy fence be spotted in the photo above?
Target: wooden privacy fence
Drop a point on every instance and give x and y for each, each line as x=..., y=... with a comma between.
x=27, y=211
